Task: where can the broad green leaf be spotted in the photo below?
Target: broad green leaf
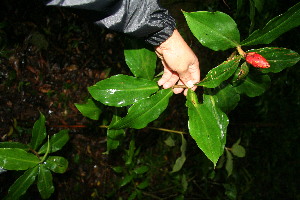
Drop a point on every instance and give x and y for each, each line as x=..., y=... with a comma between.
x=145, y=111
x=254, y=85
x=122, y=90
x=275, y=27
x=220, y=73
x=57, y=141
x=21, y=185
x=38, y=132
x=207, y=125
x=17, y=145
x=229, y=163
x=90, y=109
x=114, y=135
x=226, y=97
x=17, y=159
x=44, y=183
x=215, y=30
x=140, y=59
x=56, y=164
x=141, y=169
x=279, y=58
x=181, y=160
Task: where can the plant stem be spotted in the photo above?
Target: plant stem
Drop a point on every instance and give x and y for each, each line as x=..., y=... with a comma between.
x=241, y=51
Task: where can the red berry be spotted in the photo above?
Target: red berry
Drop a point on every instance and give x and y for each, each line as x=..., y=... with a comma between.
x=257, y=60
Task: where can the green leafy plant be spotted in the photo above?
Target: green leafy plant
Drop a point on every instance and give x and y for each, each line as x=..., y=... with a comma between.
x=133, y=174
x=223, y=84
x=35, y=159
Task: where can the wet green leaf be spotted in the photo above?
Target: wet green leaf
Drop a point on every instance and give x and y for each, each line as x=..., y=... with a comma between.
x=17, y=145
x=57, y=141
x=275, y=27
x=254, y=85
x=140, y=60
x=17, y=159
x=56, y=164
x=90, y=109
x=278, y=58
x=122, y=90
x=44, y=183
x=207, y=125
x=215, y=30
x=21, y=185
x=220, y=73
x=38, y=132
x=145, y=111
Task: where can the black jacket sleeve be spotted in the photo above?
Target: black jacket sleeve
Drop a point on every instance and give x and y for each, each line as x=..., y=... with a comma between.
x=139, y=18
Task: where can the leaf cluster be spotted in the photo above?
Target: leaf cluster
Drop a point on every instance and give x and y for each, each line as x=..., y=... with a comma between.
x=35, y=159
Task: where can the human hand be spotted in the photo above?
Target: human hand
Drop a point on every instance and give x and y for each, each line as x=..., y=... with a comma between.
x=181, y=65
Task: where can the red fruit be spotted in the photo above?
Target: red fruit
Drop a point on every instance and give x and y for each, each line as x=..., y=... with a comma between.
x=257, y=60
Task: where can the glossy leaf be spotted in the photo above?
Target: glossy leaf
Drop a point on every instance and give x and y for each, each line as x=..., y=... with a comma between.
x=220, y=73
x=17, y=145
x=275, y=27
x=207, y=125
x=122, y=90
x=145, y=111
x=181, y=160
x=90, y=109
x=226, y=98
x=44, y=183
x=278, y=58
x=215, y=30
x=38, y=132
x=140, y=60
x=17, y=159
x=56, y=164
x=254, y=85
x=21, y=185
x=57, y=141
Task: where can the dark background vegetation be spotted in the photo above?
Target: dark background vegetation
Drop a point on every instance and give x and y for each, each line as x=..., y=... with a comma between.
x=49, y=56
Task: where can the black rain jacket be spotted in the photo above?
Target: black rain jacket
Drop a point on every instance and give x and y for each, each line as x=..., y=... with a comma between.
x=139, y=18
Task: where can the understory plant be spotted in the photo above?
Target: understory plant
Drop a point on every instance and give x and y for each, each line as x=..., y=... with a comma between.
x=245, y=72
x=36, y=159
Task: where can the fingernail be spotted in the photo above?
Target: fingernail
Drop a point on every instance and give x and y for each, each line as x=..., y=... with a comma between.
x=190, y=84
